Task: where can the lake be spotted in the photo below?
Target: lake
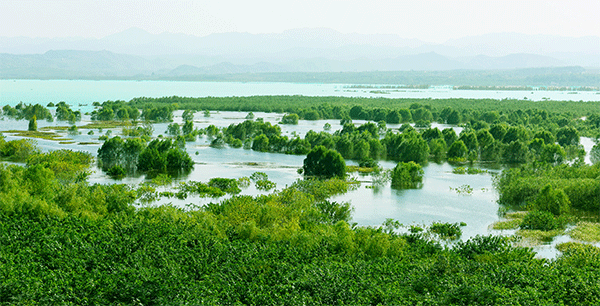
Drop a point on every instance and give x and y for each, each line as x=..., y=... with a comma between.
x=77, y=92
x=372, y=206
x=436, y=201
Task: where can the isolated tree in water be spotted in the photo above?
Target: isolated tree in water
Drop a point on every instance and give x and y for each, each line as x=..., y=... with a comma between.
x=33, y=123
x=407, y=175
x=324, y=163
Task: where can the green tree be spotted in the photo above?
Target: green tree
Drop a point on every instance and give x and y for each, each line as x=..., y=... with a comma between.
x=324, y=163
x=188, y=127
x=33, y=123
x=498, y=131
x=567, y=136
x=413, y=148
x=361, y=150
x=393, y=117
x=178, y=160
x=111, y=153
x=345, y=146
x=516, y=153
x=312, y=115
x=405, y=115
x=552, y=200
x=173, y=129
x=449, y=136
x=469, y=138
x=453, y=117
x=260, y=143
x=290, y=119
x=407, y=175
x=546, y=136
x=105, y=114
x=432, y=133
x=595, y=154
x=484, y=138
x=188, y=115
x=437, y=149
x=553, y=154
x=515, y=133
x=457, y=150
x=492, y=152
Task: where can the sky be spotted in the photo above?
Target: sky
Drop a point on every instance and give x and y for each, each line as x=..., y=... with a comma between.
x=427, y=20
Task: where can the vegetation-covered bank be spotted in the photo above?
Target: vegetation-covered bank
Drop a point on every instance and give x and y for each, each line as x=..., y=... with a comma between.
x=65, y=241
x=164, y=256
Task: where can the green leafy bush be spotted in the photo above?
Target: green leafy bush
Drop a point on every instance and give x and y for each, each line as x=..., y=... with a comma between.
x=446, y=230
x=407, y=175
x=540, y=220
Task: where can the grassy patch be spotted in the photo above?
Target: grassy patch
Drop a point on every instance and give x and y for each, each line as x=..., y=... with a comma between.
x=105, y=125
x=36, y=134
x=586, y=231
x=571, y=247
x=54, y=128
x=537, y=237
x=507, y=224
x=469, y=170
x=83, y=143
x=351, y=169
x=516, y=215
x=66, y=142
x=513, y=221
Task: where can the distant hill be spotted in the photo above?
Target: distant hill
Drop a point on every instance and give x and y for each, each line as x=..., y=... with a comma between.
x=427, y=68
x=73, y=64
x=137, y=54
x=105, y=64
x=314, y=43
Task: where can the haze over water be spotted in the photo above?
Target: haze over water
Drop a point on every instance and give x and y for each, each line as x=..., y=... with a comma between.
x=76, y=92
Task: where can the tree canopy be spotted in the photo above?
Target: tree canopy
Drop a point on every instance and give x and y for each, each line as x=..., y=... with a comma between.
x=324, y=163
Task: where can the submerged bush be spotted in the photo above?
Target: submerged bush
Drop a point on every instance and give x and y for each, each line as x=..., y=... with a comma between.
x=407, y=175
x=540, y=220
x=446, y=230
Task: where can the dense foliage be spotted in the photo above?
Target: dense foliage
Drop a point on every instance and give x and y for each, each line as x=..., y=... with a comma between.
x=134, y=154
x=73, y=243
x=324, y=163
x=66, y=241
x=407, y=175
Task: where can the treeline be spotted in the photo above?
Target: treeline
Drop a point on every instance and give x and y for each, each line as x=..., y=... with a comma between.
x=65, y=241
x=336, y=107
x=522, y=187
x=496, y=143
x=548, y=114
x=119, y=157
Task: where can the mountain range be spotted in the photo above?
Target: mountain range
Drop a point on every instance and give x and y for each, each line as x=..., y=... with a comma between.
x=135, y=53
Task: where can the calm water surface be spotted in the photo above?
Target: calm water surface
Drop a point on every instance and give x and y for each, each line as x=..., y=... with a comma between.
x=436, y=201
x=77, y=92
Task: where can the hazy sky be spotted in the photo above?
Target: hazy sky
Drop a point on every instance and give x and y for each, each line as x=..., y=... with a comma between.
x=428, y=20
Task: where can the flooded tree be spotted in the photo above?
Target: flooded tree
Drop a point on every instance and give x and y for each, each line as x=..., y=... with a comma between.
x=325, y=163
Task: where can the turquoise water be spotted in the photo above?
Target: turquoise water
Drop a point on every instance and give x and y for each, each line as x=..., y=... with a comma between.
x=76, y=92
x=372, y=206
x=436, y=201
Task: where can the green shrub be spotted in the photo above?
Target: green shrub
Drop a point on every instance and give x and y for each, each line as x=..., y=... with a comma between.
x=407, y=175
x=540, y=220
x=117, y=172
x=552, y=200
x=446, y=230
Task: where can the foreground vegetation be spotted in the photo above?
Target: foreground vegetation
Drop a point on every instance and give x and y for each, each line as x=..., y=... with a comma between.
x=66, y=241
